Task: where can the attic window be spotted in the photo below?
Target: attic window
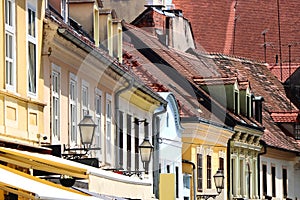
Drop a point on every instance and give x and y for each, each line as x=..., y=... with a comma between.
x=248, y=106
x=297, y=131
x=257, y=108
x=236, y=102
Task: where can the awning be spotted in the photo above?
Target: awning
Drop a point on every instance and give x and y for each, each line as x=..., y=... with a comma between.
x=43, y=162
x=32, y=187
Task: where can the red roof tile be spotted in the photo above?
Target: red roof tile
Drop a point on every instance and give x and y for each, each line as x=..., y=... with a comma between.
x=285, y=71
x=237, y=27
x=285, y=116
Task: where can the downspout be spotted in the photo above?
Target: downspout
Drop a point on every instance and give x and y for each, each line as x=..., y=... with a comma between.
x=156, y=136
x=194, y=176
x=258, y=164
x=228, y=168
x=117, y=102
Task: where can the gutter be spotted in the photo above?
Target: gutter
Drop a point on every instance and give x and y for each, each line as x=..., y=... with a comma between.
x=194, y=176
x=156, y=136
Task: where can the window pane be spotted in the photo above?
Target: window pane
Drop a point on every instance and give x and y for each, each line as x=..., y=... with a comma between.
x=31, y=22
x=32, y=67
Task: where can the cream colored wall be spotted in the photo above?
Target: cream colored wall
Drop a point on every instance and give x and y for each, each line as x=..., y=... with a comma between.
x=136, y=189
x=22, y=118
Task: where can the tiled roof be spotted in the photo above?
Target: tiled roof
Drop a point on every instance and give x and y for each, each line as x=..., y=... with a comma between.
x=237, y=27
x=263, y=83
x=285, y=116
x=185, y=67
x=197, y=65
x=155, y=79
x=283, y=72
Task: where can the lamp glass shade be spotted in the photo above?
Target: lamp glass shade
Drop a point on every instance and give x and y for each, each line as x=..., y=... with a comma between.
x=146, y=149
x=219, y=181
x=87, y=129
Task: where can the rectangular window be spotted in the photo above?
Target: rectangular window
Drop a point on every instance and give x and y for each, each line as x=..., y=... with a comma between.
x=264, y=179
x=221, y=164
x=199, y=173
x=73, y=110
x=177, y=181
x=284, y=182
x=236, y=102
x=98, y=136
x=10, y=45
x=136, y=143
x=120, y=128
x=248, y=106
x=208, y=168
x=273, y=171
x=168, y=169
x=85, y=98
x=64, y=10
x=32, y=50
x=129, y=142
x=55, y=106
x=108, y=128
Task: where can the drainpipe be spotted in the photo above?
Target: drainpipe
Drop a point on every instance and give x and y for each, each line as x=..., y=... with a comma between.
x=117, y=102
x=228, y=168
x=258, y=164
x=194, y=176
x=156, y=136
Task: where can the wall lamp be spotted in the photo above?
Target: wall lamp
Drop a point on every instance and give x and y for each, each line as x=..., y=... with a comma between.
x=87, y=128
x=219, y=182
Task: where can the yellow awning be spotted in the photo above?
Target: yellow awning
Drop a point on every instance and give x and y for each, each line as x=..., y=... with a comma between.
x=43, y=162
x=32, y=187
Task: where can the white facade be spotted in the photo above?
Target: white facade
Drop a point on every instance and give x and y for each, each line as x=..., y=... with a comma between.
x=273, y=166
x=170, y=145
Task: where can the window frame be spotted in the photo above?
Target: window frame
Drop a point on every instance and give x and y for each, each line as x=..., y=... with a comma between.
x=55, y=119
x=208, y=172
x=73, y=110
x=10, y=74
x=273, y=180
x=108, y=131
x=284, y=182
x=98, y=118
x=199, y=172
x=84, y=98
x=32, y=39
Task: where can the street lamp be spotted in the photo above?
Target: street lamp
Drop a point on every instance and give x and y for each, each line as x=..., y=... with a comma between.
x=87, y=129
x=146, y=149
x=219, y=182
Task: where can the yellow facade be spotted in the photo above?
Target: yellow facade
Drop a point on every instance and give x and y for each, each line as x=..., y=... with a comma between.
x=206, y=140
x=167, y=186
x=22, y=118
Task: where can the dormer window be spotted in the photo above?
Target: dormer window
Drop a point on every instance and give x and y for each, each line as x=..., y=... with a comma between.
x=257, y=108
x=236, y=102
x=64, y=10
x=248, y=105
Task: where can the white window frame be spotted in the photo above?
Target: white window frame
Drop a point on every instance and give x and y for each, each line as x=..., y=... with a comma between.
x=64, y=10
x=10, y=77
x=73, y=110
x=98, y=113
x=32, y=5
x=108, y=130
x=55, y=107
x=84, y=98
